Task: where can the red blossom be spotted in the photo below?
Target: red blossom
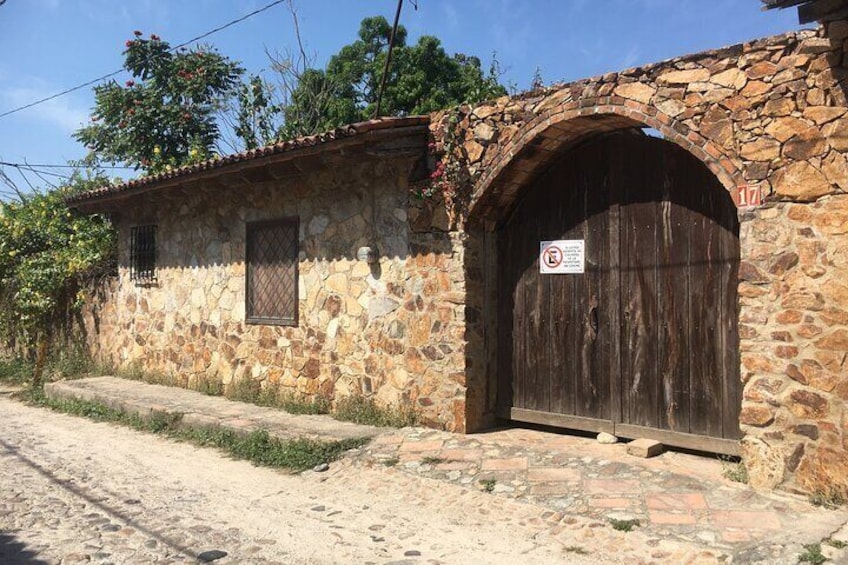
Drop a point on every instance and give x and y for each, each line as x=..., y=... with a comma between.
x=154, y=37
x=129, y=43
x=130, y=83
x=137, y=33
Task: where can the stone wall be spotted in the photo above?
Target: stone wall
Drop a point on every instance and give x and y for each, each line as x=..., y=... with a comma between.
x=421, y=328
x=392, y=330
x=770, y=113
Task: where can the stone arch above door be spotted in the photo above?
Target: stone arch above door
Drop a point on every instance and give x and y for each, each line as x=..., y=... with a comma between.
x=542, y=139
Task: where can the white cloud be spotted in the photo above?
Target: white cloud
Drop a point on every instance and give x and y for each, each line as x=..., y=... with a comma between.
x=631, y=57
x=61, y=112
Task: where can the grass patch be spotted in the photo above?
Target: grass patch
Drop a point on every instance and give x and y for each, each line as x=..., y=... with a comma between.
x=488, y=484
x=624, y=525
x=258, y=447
x=433, y=460
x=15, y=371
x=812, y=554
x=76, y=364
x=734, y=470
x=67, y=363
x=835, y=543
x=575, y=549
x=361, y=410
x=270, y=395
x=830, y=499
x=391, y=461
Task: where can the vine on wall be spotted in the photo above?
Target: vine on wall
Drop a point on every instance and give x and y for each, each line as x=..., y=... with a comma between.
x=46, y=252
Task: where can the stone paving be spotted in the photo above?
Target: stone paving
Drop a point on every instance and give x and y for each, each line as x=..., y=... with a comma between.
x=675, y=497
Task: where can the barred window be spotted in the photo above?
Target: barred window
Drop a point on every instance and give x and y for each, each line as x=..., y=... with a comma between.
x=143, y=253
x=272, y=267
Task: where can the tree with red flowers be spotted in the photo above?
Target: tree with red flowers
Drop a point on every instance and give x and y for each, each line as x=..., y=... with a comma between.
x=165, y=115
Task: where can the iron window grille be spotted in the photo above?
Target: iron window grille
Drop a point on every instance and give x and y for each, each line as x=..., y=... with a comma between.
x=143, y=253
x=272, y=271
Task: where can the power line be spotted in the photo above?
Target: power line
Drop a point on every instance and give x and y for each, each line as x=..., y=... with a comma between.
x=55, y=166
x=114, y=73
x=31, y=168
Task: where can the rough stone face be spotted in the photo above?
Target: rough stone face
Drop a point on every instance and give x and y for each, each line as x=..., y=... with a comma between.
x=770, y=113
x=801, y=181
x=684, y=77
x=351, y=334
x=636, y=91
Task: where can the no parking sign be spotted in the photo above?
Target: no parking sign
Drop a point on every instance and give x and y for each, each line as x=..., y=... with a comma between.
x=562, y=256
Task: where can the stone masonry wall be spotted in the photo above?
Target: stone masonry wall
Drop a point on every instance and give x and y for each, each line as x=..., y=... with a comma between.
x=421, y=328
x=770, y=113
x=391, y=331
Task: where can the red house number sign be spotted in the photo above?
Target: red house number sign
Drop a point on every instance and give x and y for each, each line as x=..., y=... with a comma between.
x=750, y=195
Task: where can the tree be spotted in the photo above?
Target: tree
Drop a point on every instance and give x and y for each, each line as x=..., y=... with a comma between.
x=165, y=116
x=422, y=78
x=46, y=253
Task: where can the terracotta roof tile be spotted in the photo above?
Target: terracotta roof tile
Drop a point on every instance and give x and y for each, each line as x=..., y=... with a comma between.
x=339, y=133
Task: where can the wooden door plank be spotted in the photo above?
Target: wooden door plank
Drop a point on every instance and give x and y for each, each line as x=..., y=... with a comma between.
x=706, y=355
x=561, y=420
x=679, y=439
x=599, y=298
x=673, y=301
x=639, y=283
x=562, y=388
x=729, y=325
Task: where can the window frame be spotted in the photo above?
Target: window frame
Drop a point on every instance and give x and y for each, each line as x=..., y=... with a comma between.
x=251, y=318
x=143, y=261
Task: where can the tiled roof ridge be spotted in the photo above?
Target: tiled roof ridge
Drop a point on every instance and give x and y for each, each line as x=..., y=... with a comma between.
x=342, y=132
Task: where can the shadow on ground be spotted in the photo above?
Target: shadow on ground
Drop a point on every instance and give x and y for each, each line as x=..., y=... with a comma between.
x=13, y=551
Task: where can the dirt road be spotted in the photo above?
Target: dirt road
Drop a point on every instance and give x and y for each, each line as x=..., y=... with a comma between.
x=76, y=491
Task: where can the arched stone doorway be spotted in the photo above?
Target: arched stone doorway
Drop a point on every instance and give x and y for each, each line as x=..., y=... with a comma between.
x=643, y=342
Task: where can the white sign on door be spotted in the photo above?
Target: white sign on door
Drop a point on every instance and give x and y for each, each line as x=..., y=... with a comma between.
x=563, y=256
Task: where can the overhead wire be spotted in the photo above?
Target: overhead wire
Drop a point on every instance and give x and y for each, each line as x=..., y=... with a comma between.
x=115, y=73
x=57, y=166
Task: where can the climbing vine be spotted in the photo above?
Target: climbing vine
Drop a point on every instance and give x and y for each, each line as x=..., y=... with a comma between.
x=46, y=252
x=449, y=178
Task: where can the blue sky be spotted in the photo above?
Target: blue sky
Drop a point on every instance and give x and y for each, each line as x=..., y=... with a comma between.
x=52, y=45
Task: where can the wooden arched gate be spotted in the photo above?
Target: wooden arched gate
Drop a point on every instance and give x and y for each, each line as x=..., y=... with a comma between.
x=644, y=342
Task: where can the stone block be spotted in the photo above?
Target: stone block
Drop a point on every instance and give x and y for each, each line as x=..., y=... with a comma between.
x=644, y=448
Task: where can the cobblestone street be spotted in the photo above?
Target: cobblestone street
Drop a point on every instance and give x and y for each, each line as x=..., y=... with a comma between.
x=76, y=491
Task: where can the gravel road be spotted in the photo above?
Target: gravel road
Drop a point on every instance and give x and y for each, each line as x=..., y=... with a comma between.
x=77, y=491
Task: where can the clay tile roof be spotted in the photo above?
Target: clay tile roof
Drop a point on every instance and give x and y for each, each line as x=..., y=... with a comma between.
x=292, y=145
x=812, y=10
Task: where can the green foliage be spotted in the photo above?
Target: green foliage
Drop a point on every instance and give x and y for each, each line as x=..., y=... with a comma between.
x=361, y=410
x=835, y=543
x=829, y=498
x=255, y=121
x=46, y=252
x=488, y=484
x=734, y=470
x=16, y=371
x=252, y=391
x=165, y=116
x=623, y=525
x=259, y=446
x=812, y=554
x=422, y=78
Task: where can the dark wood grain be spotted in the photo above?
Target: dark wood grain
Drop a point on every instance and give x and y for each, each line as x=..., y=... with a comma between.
x=647, y=337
